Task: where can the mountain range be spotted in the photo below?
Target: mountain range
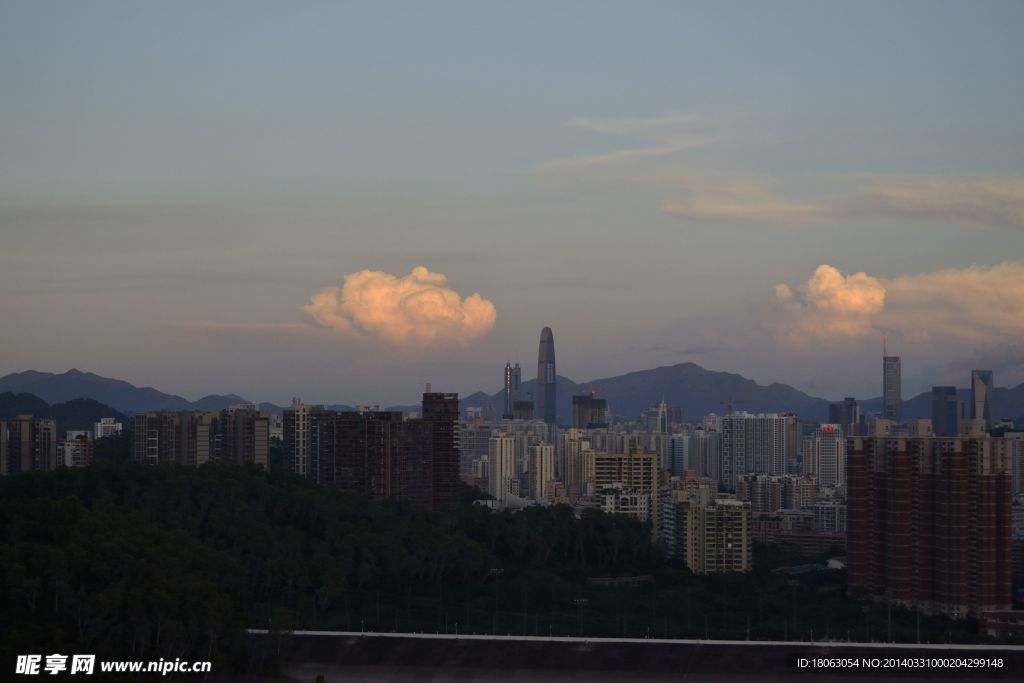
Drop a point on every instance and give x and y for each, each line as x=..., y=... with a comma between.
x=697, y=390
x=76, y=414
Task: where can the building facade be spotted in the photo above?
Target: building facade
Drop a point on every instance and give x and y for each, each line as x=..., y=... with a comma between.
x=929, y=522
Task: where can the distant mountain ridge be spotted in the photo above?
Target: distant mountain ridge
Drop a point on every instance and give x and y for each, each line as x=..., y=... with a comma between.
x=76, y=414
x=116, y=393
x=697, y=390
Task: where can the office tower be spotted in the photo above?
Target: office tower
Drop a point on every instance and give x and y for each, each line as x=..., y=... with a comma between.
x=892, y=402
x=107, y=426
x=27, y=444
x=501, y=462
x=545, y=400
x=589, y=412
x=513, y=377
x=76, y=449
x=709, y=533
x=656, y=418
x=441, y=412
x=244, y=432
x=679, y=455
x=825, y=456
x=929, y=522
x=981, y=396
x=947, y=411
x=846, y=414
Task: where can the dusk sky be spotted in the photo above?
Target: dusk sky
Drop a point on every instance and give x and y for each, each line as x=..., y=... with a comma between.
x=342, y=201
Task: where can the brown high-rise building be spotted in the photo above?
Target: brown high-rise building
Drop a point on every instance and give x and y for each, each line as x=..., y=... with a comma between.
x=358, y=451
x=929, y=522
x=376, y=454
x=236, y=436
x=441, y=413
x=27, y=444
x=244, y=433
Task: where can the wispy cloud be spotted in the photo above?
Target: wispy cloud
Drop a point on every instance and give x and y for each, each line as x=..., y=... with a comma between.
x=734, y=195
x=990, y=202
x=662, y=137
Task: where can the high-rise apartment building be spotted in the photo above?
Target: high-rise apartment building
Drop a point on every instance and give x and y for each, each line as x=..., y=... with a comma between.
x=513, y=378
x=636, y=472
x=501, y=462
x=947, y=411
x=76, y=449
x=244, y=436
x=441, y=414
x=892, y=391
x=542, y=471
x=107, y=426
x=302, y=428
x=705, y=453
x=710, y=533
x=358, y=451
x=546, y=397
x=757, y=444
x=27, y=444
x=982, y=385
x=825, y=456
x=522, y=410
x=929, y=522
x=238, y=435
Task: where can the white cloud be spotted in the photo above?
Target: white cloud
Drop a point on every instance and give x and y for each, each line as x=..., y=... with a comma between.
x=417, y=309
x=977, y=304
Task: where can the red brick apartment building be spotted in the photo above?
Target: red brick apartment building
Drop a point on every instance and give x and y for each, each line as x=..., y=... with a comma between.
x=930, y=523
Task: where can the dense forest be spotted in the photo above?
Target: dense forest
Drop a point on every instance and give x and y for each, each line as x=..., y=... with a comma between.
x=138, y=562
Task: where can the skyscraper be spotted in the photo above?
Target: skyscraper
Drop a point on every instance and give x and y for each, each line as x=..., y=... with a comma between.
x=441, y=414
x=513, y=376
x=846, y=414
x=946, y=412
x=892, y=402
x=546, y=409
x=981, y=396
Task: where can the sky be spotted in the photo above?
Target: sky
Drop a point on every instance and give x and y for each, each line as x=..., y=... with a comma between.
x=345, y=200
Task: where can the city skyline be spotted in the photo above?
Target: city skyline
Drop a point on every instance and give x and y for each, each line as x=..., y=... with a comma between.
x=272, y=233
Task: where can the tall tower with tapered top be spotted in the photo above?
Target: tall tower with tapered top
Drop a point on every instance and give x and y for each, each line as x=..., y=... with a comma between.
x=545, y=408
